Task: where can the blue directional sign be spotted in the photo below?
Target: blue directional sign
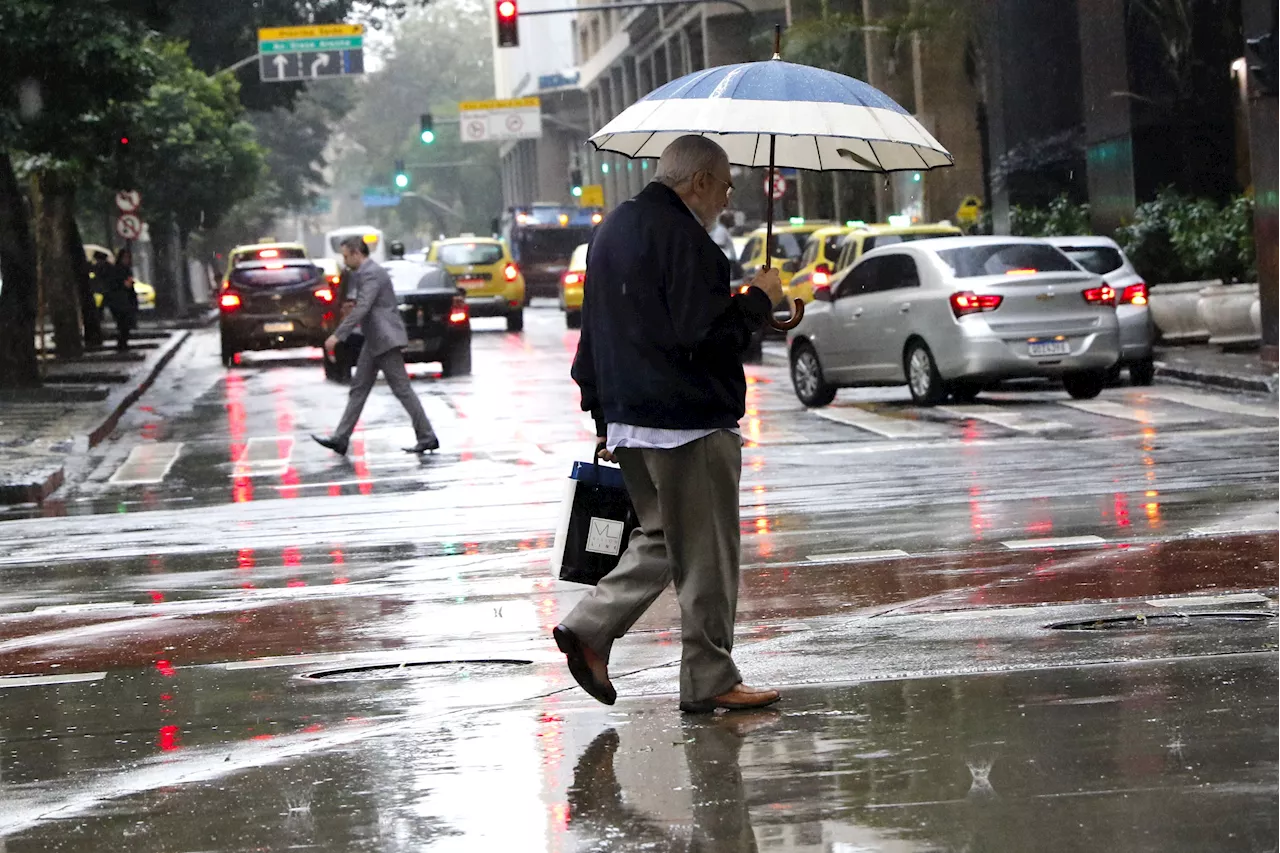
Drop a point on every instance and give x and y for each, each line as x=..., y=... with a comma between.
x=292, y=54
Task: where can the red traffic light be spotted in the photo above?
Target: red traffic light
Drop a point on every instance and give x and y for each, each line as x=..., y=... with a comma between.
x=508, y=23
x=124, y=140
x=506, y=9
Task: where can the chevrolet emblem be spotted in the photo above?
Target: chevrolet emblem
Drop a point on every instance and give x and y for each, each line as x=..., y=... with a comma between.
x=1045, y=297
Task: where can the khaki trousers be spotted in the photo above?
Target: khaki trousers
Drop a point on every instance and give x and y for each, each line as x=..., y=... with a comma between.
x=687, y=503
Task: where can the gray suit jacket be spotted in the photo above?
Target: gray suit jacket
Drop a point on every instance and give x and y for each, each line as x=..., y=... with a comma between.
x=376, y=311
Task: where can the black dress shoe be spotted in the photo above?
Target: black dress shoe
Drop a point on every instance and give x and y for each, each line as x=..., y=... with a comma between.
x=424, y=445
x=574, y=651
x=338, y=447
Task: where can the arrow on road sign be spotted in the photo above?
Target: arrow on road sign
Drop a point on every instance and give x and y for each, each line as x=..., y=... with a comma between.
x=281, y=62
x=321, y=62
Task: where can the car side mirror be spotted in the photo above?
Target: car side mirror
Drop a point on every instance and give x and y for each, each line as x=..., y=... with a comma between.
x=789, y=266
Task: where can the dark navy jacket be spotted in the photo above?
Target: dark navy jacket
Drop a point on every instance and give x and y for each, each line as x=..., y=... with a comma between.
x=662, y=335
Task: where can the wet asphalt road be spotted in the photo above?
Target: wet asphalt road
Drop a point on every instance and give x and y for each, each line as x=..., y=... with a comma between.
x=222, y=637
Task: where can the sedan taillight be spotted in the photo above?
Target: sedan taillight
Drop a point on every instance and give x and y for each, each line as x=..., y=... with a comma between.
x=458, y=313
x=573, y=278
x=325, y=295
x=1104, y=295
x=229, y=302
x=822, y=276
x=1135, y=294
x=968, y=302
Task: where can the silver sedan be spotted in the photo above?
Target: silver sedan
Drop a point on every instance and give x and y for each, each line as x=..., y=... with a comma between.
x=952, y=316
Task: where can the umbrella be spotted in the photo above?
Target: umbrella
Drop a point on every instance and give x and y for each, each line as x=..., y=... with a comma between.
x=777, y=114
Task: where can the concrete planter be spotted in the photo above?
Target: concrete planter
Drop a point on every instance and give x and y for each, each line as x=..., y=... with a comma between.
x=1175, y=310
x=1227, y=312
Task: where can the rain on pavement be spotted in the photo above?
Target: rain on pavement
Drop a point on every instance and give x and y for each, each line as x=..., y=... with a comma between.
x=997, y=623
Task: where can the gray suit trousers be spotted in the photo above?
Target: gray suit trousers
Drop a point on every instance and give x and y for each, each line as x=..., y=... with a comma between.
x=687, y=503
x=391, y=363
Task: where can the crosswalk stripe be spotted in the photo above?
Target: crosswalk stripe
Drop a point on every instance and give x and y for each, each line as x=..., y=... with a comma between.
x=858, y=556
x=1213, y=403
x=1063, y=542
x=1138, y=414
x=880, y=425
x=147, y=463
x=265, y=456
x=1004, y=418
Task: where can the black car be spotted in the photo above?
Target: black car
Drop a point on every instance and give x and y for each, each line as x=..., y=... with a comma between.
x=434, y=310
x=274, y=304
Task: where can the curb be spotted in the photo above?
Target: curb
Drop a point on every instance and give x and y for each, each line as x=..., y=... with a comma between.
x=51, y=479
x=1231, y=382
x=166, y=355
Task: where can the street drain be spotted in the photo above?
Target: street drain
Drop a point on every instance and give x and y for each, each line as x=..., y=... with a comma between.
x=1140, y=622
x=454, y=669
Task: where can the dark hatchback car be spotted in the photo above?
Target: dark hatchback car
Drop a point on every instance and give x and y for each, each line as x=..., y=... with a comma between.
x=273, y=304
x=434, y=311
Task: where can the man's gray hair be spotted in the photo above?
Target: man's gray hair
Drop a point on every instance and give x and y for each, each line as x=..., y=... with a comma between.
x=356, y=244
x=686, y=157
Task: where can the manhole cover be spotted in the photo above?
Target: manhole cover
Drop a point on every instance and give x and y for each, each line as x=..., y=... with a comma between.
x=454, y=669
x=1142, y=622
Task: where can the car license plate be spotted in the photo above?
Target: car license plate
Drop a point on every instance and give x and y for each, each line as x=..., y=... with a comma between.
x=472, y=282
x=271, y=328
x=1049, y=348
x=416, y=346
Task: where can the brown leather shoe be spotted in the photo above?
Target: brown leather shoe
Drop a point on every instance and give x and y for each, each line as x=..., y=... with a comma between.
x=740, y=698
x=586, y=667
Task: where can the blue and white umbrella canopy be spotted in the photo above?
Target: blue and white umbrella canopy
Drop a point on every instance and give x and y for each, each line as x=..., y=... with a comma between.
x=822, y=120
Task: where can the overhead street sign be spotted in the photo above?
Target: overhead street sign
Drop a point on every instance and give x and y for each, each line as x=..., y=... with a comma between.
x=495, y=121
x=128, y=201
x=592, y=196
x=290, y=54
x=128, y=226
x=380, y=197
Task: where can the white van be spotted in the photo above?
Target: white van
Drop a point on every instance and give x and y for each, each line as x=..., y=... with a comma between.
x=371, y=235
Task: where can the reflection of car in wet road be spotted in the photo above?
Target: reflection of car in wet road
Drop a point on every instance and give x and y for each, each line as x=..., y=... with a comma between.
x=435, y=318
x=273, y=304
x=1103, y=256
x=952, y=316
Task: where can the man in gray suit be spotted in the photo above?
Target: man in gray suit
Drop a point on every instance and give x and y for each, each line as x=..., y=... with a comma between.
x=377, y=315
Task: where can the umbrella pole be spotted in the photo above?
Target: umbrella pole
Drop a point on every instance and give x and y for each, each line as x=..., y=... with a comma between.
x=768, y=208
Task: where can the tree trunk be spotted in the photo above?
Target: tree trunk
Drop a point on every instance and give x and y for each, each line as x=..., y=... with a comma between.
x=166, y=282
x=18, y=365
x=54, y=202
x=80, y=267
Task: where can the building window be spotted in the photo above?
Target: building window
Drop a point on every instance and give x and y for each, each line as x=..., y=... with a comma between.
x=696, y=62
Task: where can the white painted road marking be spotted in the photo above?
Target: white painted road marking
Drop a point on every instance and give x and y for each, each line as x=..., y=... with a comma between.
x=1210, y=600
x=265, y=456
x=885, y=427
x=1063, y=542
x=1146, y=417
x=858, y=556
x=147, y=463
x=44, y=680
x=1003, y=417
x=1213, y=403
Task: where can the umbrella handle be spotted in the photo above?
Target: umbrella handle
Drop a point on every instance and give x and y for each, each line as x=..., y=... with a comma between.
x=791, y=322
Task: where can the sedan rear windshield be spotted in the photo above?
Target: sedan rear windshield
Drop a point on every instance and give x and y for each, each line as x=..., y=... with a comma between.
x=1000, y=259
x=1096, y=259
x=462, y=254
x=267, y=277
x=412, y=278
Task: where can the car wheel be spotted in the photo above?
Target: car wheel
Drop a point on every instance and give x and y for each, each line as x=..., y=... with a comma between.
x=926, y=385
x=807, y=379
x=1143, y=372
x=457, y=361
x=965, y=392
x=1085, y=385
x=573, y=319
x=515, y=321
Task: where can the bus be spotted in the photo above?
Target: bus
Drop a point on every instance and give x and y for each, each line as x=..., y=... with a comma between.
x=542, y=237
x=372, y=236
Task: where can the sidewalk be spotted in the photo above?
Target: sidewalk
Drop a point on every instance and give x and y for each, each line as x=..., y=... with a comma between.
x=79, y=405
x=1202, y=364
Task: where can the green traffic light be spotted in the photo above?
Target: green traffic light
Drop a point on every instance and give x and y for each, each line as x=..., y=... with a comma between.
x=577, y=192
x=428, y=137
x=402, y=180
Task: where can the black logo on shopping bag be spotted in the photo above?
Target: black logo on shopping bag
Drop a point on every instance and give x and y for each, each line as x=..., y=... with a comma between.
x=605, y=536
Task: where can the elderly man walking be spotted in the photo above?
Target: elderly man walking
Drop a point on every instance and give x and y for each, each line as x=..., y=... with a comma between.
x=660, y=368
x=377, y=314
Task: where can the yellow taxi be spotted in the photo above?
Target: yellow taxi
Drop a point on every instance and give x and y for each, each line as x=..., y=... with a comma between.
x=484, y=268
x=788, y=245
x=817, y=263
x=146, y=293
x=863, y=238
x=571, y=287
x=264, y=251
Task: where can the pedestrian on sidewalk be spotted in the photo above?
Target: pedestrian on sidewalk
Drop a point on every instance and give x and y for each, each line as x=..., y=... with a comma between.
x=119, y=297
x=377, y=313
x=659, y=363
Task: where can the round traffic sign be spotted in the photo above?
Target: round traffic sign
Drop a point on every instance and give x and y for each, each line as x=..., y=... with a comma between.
x=128, y=227
x=776, y=186
x=128, y=201
x=476, y=129
x=514, y=123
